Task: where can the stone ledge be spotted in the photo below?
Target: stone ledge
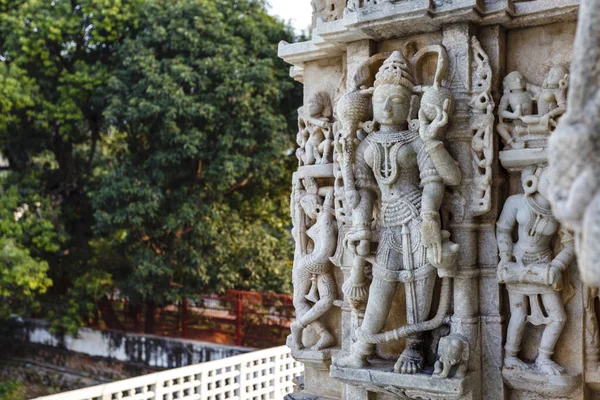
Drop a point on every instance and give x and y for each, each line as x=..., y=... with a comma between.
x=380, y=378
x=410, y=17
x=563, y=386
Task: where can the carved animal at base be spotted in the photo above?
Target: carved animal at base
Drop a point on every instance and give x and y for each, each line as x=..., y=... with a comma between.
x=452, y=350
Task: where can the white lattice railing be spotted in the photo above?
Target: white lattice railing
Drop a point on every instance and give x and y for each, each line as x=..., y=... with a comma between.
x=263, y=374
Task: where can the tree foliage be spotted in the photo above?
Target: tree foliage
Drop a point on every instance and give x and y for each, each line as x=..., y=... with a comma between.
x=153, y=135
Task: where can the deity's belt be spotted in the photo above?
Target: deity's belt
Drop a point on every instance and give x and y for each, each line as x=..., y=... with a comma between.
x=525, y=257
x=400, y=210
x=404, y=276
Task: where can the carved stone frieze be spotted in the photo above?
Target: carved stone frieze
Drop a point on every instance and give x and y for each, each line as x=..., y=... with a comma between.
x=435, y=253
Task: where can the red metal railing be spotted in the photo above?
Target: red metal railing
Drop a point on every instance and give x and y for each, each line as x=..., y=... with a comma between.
x=237, y=318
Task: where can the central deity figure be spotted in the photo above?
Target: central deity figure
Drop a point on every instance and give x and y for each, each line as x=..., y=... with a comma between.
x=405, y=169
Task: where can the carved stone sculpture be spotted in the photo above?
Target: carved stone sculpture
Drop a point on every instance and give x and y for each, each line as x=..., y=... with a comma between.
x=453, y=350
x=534, y=278
x=519, y=125
x=315, y=136
x=314, y=285
x=531, y=271
x=391, y=165
x=433, y=299
x=516, y=102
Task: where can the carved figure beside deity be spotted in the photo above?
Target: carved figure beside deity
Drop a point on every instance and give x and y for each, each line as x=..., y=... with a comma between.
x=533, y=274
x=528, y=113
x=516, y=102
x=314, y=285
x=403, y=169
x=551, y=101
x=315, y=138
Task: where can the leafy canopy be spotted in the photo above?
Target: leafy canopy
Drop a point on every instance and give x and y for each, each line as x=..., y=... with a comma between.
x=152, y=134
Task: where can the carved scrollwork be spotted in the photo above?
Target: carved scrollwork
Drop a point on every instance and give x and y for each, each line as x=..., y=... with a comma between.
x=482, y=125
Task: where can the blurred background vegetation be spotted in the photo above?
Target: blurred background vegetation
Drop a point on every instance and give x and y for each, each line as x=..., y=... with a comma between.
x=145, y=150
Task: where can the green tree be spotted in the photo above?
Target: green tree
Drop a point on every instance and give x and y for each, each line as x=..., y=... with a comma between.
x=26, y=236
x=55, y=59
x=201, y=107
x=153, y=134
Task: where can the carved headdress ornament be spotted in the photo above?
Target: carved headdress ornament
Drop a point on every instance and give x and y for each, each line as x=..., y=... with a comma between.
x=395, y=71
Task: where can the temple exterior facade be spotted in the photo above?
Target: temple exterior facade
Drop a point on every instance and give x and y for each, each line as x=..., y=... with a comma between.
x=429, y=260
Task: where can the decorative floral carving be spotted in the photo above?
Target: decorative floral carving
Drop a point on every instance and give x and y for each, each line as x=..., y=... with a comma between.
x=482, y=125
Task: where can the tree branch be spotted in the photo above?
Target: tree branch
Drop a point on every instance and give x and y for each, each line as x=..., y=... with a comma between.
x=240, y=184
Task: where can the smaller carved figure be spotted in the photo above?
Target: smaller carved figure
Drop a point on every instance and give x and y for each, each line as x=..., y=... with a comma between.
x=551, y=103
x=452, y=350
x=314, y=136
x=515, y=103
x=529, y=113
x=532, y=273
x=353, y=108
x=314, y=285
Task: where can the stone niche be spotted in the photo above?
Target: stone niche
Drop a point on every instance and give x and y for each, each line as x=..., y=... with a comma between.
x=428, y=262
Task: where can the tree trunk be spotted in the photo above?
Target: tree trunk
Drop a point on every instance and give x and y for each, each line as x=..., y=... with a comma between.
x=108, y=314
x=149, y=320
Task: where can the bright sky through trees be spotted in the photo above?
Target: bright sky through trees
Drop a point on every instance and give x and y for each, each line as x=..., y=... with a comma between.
x=297, y=12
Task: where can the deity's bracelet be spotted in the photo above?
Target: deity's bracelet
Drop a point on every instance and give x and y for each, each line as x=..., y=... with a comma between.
x=430, y=214
x=561, y=265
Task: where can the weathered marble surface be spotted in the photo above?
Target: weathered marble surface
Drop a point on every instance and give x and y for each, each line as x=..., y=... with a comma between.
x=429, y=261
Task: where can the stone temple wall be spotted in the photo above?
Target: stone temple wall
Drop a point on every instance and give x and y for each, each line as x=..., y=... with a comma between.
x=429, y=264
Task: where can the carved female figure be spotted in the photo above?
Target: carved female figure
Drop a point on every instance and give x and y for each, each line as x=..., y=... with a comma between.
x=515, y=103
x=395, y=164
x=314, y=131
x=314, y=285
x=531, y=272
x=551, y=102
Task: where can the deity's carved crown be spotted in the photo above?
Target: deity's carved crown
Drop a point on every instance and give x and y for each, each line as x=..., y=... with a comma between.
x=395, y=71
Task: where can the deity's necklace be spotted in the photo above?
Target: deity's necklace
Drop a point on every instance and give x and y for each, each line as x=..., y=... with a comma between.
x=539, y=218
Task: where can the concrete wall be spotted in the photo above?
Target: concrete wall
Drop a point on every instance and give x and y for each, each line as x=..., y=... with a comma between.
x=149, y=350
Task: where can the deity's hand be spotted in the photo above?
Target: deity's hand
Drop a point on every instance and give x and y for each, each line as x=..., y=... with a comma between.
x=555, y=275
x=564, y=82
x=430, y=130
x=431, y=234
x=518, y=113
x=530, y=119
x=359, y=241
x=545, y=120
